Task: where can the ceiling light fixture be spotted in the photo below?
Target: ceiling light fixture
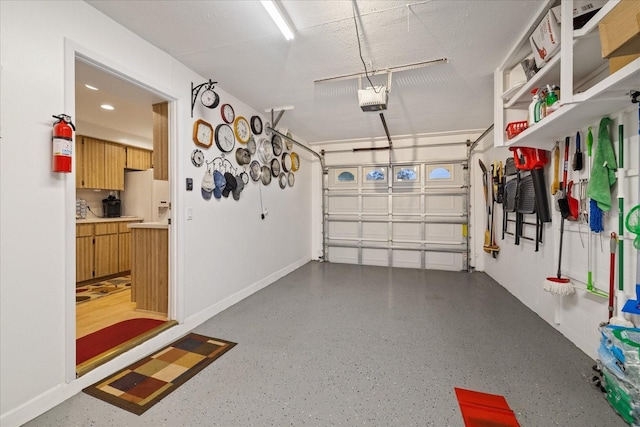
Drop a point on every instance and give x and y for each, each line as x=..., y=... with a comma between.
x=88, y=86
x=107, y=107
x=278, y=17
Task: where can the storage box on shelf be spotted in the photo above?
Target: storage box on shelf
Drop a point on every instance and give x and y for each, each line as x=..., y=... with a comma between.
x=620, y=30
x=588, y=90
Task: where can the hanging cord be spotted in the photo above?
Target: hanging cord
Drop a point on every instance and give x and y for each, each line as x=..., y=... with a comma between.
x=366, y=73
x=261, y=207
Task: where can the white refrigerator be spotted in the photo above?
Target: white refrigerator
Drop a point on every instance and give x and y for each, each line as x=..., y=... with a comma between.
x=145, y=197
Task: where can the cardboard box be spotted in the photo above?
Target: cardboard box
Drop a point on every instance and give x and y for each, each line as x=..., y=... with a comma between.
x=545, y=40
x=620, y=30
x=583, y=10
x=617, y=62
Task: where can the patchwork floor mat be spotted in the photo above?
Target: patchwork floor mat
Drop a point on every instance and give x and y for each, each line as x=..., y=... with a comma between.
x=100, y=289
x=143, y=384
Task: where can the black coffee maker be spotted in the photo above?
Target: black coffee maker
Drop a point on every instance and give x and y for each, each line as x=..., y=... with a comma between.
x=111, y=207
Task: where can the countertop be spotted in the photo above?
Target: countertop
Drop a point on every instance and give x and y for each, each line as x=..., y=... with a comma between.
x=94, y=220
x=156, y=225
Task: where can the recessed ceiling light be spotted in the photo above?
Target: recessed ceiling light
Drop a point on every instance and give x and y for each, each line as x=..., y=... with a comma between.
x=107, y=107
x=90, y=87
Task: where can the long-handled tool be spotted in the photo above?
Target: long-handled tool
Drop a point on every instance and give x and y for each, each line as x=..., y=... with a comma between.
x=612, y=273
x=494, y=247
x=555, y=185
x=578, y=157
x=563, y=201
x=487, y=232
x=559, y=285
x=619, y=319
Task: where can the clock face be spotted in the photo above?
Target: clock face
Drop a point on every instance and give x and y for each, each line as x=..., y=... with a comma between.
x=251, y=145
x=242, y=129
x=256, y=125
x=282, y=180
x=225, y=139
x=267, y=128
x=254, y=170
x=295, y=161
x=276, y=141
x=288, y=141
x=210, y=99
x=197, y=158
x=202, y=133
x=275, y=167
x=291, y=179
x=228, y=115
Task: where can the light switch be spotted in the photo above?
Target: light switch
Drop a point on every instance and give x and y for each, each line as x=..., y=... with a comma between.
x=189, y=184
x=189, y=214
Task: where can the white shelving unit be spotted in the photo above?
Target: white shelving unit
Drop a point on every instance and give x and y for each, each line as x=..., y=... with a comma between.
x=587, y=91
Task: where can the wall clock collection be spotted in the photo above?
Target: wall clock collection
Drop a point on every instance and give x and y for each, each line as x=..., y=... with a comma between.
x=274, y=155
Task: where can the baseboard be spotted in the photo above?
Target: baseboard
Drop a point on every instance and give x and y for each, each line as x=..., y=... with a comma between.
x=209, y=312
x=61, y=392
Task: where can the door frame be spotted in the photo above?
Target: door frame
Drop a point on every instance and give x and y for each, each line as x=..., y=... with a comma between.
x=73, y=50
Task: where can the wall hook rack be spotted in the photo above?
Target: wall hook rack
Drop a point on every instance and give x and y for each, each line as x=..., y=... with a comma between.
x=196, y=90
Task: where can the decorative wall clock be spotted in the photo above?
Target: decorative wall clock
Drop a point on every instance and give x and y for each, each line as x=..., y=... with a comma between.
x=202, y=133
x=225, y=139
x=242, y=129
x=256, y=125
x=227, y=113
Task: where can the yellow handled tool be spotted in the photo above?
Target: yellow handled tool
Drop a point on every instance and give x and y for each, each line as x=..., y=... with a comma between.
x=555, y=185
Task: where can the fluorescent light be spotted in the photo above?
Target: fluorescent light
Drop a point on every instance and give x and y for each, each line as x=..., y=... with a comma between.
x=90, y=87
x=278, y=18
x=107, y=107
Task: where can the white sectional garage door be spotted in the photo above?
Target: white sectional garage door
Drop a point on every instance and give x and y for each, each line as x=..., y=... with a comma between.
x=401, y=215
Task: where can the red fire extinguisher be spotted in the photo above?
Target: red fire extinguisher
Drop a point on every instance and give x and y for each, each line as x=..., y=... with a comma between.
x=62, y=143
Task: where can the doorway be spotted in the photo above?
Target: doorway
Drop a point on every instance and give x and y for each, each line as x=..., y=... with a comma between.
x=117, y=125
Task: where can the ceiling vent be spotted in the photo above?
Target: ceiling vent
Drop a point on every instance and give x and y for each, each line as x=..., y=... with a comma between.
x=373, y=98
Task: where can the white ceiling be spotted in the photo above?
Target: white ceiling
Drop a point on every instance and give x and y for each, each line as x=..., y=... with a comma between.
x=236, y=44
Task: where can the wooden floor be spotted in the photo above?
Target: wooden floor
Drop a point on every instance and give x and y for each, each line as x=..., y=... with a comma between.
x=94, y=315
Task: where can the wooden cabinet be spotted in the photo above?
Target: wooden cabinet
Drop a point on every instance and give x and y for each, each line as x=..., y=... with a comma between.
x=100, y=164
x=102, y=249
x=138, y=159
x=124, y=247
x=161, y=141
x=106, y=249
x=84, y=252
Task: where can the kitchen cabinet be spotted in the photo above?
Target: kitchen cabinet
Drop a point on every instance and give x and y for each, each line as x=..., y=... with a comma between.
x=106, y=249
x=103, y=249
x=100, y=164
x=84, y=252
x=161, y=141
x=138, y=158
x=124, y=247
x=587, y=89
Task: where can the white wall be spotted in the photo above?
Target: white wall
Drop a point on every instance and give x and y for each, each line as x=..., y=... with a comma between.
x=225, y=253
x=522, y=271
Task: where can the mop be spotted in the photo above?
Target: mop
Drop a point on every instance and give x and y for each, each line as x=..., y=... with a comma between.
x=559, y=285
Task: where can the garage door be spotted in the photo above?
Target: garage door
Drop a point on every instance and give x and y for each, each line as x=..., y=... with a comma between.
x=400, y=215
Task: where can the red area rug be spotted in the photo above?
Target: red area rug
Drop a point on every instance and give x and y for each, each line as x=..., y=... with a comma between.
x=112, y=336
x=485, y=410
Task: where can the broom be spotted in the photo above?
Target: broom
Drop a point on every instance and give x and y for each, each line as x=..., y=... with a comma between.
x=559, y=285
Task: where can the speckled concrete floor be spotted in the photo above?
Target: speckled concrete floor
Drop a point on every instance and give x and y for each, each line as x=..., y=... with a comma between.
x=334, y=344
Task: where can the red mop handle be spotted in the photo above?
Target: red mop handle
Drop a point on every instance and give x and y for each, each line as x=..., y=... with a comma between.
x=613, y=243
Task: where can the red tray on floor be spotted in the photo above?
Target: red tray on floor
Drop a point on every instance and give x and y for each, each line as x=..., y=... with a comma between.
x=483, y=409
